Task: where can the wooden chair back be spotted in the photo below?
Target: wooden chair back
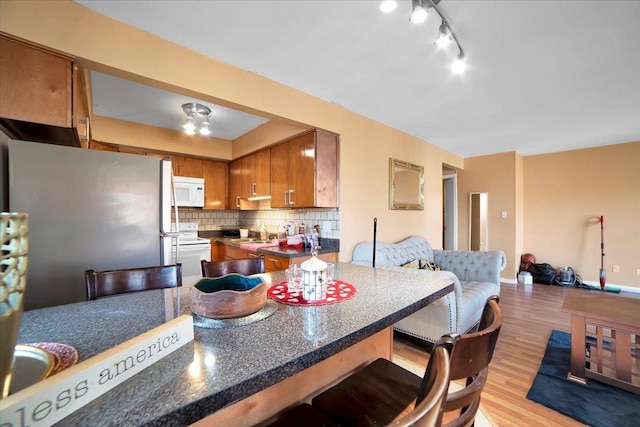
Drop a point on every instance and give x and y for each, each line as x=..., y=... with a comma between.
x=470, y=359
x=112, y=282
x=245, y=267
x=433, y=391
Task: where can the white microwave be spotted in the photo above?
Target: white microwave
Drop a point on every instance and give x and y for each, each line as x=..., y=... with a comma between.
x=189, y=191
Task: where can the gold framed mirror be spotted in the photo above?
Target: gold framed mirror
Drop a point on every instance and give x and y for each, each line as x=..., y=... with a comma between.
x=406, y=185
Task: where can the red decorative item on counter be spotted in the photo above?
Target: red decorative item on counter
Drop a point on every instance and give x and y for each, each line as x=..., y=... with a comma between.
x=337, y=291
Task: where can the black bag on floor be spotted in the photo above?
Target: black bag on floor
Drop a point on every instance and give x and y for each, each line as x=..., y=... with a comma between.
x=542, y=273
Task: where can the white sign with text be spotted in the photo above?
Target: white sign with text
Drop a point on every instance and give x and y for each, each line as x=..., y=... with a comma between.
x=56, y=397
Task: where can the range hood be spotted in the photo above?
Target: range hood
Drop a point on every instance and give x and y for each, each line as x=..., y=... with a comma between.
x=37, y=132
x=254, y=204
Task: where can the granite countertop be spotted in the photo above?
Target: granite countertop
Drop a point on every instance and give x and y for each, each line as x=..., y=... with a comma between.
x=222, y=366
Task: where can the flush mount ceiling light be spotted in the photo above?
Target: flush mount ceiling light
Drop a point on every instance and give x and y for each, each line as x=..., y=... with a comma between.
x=445, y=32
x=193, y=111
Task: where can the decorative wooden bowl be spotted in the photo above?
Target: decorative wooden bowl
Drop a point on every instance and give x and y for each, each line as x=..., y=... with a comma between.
x=230, y=296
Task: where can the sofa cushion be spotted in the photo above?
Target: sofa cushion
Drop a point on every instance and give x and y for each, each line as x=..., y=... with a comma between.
x=426, y=264
x=474, y=298
x=412, y=264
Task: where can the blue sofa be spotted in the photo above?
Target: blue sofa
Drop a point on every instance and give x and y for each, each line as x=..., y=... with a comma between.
x=475, y=276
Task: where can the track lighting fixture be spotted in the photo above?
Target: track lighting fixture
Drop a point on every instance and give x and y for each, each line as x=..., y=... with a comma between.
x=193, y=110
x=445, y=32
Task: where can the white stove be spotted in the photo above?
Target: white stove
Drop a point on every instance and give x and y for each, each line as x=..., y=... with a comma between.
x=191, y=250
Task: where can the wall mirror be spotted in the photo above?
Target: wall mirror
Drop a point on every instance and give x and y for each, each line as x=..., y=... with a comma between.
x=406, y=185
x=478, y=222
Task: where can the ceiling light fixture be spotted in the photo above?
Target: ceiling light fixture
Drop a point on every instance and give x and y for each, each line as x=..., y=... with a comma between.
x=445, y=32
x=193, y=110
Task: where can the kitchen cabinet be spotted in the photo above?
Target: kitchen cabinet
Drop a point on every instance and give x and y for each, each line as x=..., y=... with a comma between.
x=187, y=166
x=275, y=263
x=304, y=171
x=227, y=252
x=250, y=176
x=215, y=176
x=40, y=100
x=95, y=145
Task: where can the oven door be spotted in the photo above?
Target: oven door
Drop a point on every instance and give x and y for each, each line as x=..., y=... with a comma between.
x=190, y=255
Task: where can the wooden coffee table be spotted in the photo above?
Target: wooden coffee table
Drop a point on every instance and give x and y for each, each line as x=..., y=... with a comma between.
x=605, y=338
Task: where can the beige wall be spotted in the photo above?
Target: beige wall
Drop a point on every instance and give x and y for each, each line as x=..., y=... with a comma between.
x=270, y=132
x=120, y=132
x=366, y=146
x=496, y=175
x=566, y=193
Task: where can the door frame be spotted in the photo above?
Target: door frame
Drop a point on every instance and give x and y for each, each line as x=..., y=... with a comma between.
x=450, y=209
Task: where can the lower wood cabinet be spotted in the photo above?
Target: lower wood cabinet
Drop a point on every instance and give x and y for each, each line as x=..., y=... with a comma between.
x=271, y=262
x=275, y=263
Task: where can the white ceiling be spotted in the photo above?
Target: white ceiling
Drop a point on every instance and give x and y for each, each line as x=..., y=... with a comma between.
x=134, y=102
x=542, y=76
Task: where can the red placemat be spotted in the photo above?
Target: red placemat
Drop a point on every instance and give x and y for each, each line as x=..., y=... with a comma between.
x=337, y=291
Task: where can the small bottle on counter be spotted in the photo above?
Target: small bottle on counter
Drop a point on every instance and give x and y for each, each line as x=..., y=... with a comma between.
x=263, y=233
x=301, y=229
x=282, y=234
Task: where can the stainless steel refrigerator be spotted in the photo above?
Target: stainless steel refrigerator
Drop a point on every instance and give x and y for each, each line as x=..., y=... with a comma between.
x=88, y=209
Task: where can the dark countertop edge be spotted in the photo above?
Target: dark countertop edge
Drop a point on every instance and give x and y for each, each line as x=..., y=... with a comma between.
x=201, y=409
x=303, y=252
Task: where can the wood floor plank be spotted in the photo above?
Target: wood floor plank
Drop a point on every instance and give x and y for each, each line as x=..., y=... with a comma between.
x=530, y=313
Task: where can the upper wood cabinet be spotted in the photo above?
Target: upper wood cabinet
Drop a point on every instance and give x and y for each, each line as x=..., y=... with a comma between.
x=304, y=171
x=35, y=85
x=41, y=99
x=250, y=176
x=187, y=166
x=215, y=176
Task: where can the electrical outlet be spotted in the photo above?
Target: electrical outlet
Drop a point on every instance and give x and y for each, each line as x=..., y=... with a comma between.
x=616, y=269
x=638, y=272
x=504, y=214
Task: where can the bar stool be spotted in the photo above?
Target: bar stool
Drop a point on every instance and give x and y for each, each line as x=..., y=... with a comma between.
x=379, y=404
x=379, y=393
x=111, y=282
x=246, y=266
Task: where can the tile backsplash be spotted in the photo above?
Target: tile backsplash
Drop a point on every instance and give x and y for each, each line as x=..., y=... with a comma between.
x=212, y=220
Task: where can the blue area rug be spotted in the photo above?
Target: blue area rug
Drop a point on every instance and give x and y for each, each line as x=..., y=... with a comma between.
x=595, y=404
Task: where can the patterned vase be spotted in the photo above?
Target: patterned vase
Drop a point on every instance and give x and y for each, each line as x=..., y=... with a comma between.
x=13, y=278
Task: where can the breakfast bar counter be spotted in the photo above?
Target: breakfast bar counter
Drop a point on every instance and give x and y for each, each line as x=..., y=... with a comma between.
x=227, y=365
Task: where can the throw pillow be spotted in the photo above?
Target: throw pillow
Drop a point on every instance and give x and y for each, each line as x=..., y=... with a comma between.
x=426, y=264
x=412, y=264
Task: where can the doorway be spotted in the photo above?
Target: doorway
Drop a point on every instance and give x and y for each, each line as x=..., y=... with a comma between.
x=450, y=211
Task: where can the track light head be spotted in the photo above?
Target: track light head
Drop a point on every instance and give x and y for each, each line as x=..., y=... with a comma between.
x=444, y=39
x=388, y=6
x=419, y=13
x=459, y=65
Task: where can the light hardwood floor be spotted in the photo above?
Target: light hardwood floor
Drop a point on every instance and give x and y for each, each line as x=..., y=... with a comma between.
x=530, y=312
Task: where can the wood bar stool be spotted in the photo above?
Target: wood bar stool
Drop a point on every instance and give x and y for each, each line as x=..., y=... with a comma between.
x=382, y=391
x=111, y=282
x=246, y=266
x=375, y=402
